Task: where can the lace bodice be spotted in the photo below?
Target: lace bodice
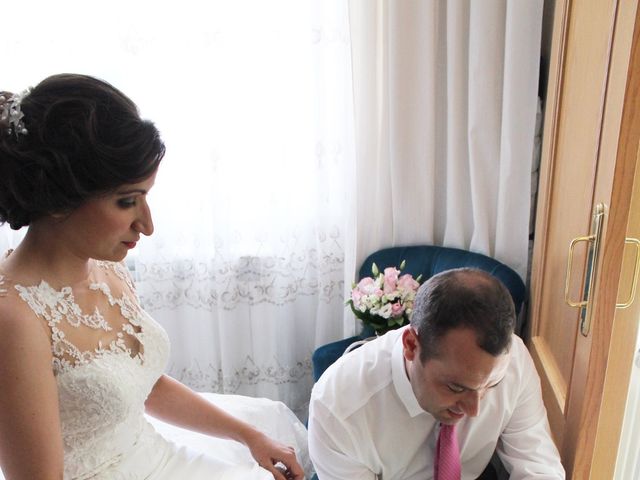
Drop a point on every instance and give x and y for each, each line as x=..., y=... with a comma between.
x=59, y=309
x=106, y=362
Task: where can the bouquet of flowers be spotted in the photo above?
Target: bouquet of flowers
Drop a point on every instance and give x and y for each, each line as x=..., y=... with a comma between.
x=385, y=300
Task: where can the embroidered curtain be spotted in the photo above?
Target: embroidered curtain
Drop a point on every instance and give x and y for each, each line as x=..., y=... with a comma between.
x=246, y=268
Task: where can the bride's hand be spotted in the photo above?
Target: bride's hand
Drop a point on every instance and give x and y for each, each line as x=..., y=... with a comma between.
x=279, y=459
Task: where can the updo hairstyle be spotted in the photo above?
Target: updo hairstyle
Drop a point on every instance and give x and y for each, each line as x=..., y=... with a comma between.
x=83, y=138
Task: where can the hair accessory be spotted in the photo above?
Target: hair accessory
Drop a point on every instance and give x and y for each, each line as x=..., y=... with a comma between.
x=11, y=113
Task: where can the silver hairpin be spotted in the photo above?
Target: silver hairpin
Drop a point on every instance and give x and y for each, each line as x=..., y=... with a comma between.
x=11, y=113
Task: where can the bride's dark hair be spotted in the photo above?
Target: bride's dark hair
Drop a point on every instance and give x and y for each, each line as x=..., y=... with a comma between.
x=84, y=138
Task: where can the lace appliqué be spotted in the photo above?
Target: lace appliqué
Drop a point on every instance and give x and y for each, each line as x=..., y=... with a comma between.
x=121, y=272
x=57, y=306
x=131, y=311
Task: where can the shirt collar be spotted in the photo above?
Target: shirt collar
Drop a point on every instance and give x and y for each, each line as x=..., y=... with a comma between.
x=401, y=381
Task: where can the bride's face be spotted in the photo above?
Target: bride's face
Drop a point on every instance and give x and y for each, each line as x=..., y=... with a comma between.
x=108, y=226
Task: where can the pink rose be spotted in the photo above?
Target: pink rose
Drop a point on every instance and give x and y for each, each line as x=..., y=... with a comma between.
x=390, y=279
x=366, y=285
x=397, y=309
x=356, y=295
x=407, y=283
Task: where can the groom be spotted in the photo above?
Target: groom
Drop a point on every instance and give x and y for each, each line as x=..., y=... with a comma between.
x=436, y=398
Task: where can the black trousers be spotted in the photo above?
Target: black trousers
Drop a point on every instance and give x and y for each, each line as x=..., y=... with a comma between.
x=489, y=473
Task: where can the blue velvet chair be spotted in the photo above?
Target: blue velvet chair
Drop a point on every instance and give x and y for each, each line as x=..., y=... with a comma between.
x=425, y=260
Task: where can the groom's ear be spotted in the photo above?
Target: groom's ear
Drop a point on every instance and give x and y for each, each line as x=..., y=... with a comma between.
x=410, y=344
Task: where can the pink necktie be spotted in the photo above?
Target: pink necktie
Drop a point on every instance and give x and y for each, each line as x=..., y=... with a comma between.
x=447, y=465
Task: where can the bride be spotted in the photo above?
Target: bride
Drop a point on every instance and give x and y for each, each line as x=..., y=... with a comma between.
x=81, y=364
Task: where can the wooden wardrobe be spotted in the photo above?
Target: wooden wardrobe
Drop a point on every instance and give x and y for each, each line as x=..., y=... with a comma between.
x=583, y=324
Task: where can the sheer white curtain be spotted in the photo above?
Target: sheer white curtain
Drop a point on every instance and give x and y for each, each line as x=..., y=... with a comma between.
x=245, y=269
x=253, y=99
x=445, y=109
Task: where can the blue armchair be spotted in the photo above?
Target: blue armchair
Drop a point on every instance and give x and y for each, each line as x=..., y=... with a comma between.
x=426, y=260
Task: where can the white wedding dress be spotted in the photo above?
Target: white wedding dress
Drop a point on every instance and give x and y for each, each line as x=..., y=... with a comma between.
x=106, y=433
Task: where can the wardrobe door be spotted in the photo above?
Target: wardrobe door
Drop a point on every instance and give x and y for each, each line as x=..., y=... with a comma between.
x=580, y=270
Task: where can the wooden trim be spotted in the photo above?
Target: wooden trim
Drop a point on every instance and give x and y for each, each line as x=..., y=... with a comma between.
x=549, y=139
x=556, y=382
x=553, y=387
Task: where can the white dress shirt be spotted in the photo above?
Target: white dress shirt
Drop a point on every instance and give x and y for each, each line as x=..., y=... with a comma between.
x=365, y=422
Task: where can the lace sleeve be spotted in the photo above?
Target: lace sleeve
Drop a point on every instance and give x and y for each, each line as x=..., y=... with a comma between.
x=123, y=273
x=126, y=273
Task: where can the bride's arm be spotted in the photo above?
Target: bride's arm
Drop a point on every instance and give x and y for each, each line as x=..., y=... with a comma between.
x=30, y=435
x=173, y=402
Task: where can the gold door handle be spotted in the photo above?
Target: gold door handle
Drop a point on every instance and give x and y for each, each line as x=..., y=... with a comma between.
x=567, y=278
x=585, y=304
x=636, y=268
